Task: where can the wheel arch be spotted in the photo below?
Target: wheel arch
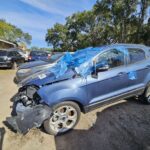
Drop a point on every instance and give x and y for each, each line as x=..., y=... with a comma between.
x=77, y=102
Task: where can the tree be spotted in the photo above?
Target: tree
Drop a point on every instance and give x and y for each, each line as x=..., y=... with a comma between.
x=108, y=22
x=13, y=34
x=57, y=36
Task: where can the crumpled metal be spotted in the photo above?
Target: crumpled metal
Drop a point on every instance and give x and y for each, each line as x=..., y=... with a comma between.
x=80, y=61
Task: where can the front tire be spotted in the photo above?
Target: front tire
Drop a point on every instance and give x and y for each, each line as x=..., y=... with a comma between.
x=64, y=118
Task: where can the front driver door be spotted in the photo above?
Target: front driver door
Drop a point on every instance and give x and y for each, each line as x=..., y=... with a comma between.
x=109, y=83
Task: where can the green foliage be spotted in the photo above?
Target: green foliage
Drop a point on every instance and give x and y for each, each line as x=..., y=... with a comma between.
x=13, y=34
x=42, y=48
x=117, y=21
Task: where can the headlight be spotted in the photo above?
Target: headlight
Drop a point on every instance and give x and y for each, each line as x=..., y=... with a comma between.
x=24, y=70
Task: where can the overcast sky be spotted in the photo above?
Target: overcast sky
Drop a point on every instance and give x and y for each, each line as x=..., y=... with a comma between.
x=36, y=16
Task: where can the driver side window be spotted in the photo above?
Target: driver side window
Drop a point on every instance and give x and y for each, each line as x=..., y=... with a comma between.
x=113, y=58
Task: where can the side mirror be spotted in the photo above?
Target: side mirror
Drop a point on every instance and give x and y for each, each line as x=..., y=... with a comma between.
x=105, y=67
x=99, y=68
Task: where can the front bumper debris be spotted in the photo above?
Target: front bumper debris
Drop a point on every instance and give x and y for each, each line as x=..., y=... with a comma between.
x=2, y=133
x=29, y=118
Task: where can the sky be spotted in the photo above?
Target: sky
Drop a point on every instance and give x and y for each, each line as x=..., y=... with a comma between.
x=36, y=16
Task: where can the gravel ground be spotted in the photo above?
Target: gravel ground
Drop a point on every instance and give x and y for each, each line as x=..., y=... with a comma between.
x=120, y=126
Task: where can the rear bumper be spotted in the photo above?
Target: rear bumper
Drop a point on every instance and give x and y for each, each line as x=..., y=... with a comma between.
x=28, y=117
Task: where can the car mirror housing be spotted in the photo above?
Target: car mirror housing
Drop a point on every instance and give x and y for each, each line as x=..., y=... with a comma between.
x=102, y=68
x=99, y=68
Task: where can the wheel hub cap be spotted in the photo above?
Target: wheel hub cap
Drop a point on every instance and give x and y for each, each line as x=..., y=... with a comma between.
x=63, y=119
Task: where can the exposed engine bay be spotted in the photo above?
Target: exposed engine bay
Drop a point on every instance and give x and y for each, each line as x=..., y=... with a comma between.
x=27, y=111
x=28, y=96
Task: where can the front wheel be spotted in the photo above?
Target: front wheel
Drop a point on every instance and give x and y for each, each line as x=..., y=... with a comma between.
x=65, y=116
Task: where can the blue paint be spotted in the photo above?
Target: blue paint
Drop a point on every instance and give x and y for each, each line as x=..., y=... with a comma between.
x=132, y=75
x=81, y=60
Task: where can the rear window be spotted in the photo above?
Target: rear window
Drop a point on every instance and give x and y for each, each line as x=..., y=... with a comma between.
x=3, y=53
x=136, y=55
x=38, y=53
x=54, y=57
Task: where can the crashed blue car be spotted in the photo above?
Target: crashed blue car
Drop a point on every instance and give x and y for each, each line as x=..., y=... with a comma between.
x=79, y=83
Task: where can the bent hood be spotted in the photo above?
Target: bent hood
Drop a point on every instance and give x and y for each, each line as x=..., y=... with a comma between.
x=46, y=77
x=32, y=64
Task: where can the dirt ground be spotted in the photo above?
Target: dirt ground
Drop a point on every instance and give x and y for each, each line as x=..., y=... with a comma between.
x=120, y=126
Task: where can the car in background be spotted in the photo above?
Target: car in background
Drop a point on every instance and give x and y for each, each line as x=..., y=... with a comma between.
x=23, y=54
x=38, y=55
x=10, y=59
x=30, y=68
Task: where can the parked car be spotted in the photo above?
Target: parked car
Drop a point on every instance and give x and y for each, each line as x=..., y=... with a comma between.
x=23, y=54
x=79, y=83
x=10, y=59
x=28, y=69
x=38, y=55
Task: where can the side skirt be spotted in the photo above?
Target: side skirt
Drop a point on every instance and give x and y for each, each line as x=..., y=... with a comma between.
x=98, y=104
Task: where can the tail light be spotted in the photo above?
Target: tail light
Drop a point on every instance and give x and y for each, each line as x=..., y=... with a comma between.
x=29, y=57
x=49, y=56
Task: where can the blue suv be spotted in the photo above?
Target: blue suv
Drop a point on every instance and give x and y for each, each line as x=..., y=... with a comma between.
x=79, y=83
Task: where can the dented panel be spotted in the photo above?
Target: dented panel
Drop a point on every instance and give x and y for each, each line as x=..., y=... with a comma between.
x=29, y=118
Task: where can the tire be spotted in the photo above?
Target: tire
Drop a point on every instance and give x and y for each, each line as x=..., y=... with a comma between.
x=145, y=98
x=14, y=66
x=61, y=118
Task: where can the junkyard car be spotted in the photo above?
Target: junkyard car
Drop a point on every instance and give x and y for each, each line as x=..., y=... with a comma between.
x=36, y=55
x=10, y=58
x=30, y=68
x=79, y=83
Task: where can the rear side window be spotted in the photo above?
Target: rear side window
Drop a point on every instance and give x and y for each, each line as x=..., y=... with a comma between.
x=16, y=53
x=10, y=54
x=3, y=53
x=38, y=53
x=136, y=55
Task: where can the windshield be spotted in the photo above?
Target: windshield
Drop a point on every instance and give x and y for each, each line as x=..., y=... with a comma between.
x=3, y=53
x=80, y=61
x=38, y=53
x=54, y=58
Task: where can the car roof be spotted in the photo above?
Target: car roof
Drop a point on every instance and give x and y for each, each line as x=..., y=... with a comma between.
x=129, y=45
x=10, y=49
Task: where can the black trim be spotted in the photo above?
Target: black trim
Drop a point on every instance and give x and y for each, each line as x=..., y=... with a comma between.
x=113, y=99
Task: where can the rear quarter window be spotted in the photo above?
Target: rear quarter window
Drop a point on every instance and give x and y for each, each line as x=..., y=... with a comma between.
x=3, y=53
x=136, y=55
x=38, y=53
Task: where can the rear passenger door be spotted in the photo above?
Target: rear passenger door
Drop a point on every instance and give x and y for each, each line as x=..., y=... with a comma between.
x=138, y=68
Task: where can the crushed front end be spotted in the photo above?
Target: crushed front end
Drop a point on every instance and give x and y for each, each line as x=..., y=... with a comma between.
x=28, y=110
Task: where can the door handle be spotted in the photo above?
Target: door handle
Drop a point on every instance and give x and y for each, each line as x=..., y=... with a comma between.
x=121, y=73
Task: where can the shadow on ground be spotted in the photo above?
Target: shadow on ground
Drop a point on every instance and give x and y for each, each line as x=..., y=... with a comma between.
x=125, y=126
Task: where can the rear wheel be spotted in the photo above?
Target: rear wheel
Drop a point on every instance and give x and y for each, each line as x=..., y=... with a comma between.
x=65, y=116
x=146, y=95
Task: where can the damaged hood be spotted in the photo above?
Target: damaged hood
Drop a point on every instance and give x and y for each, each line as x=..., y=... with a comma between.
x=32, y=64
x=69, y=65
x=46, y=77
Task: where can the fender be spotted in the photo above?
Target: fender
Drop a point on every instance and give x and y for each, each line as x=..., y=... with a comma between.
x=58, y=92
